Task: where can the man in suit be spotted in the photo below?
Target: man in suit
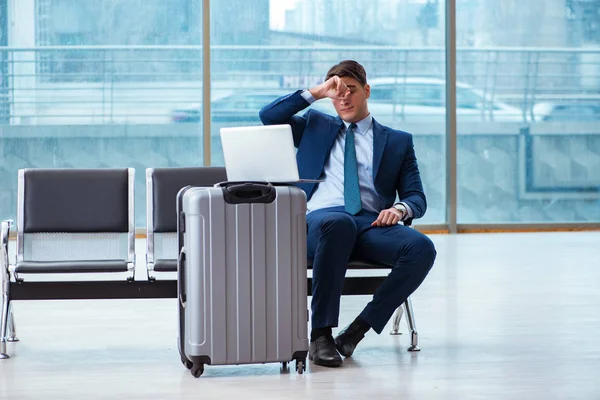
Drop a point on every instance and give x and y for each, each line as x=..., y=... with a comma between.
x=352, y=214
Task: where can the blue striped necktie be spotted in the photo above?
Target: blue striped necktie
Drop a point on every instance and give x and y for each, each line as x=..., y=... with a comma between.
x=351, y=187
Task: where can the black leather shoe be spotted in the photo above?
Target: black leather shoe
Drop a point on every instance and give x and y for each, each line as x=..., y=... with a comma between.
x=322, y=352
x=348, y=339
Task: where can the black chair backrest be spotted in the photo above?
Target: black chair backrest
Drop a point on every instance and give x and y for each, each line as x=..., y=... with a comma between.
x=166, y=183
x=75, y=200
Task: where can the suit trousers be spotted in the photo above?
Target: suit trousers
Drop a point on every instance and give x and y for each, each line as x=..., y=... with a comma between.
x=335, y=237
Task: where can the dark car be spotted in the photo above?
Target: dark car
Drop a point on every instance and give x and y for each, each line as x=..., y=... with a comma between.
x=238, y=107
x=573, y=111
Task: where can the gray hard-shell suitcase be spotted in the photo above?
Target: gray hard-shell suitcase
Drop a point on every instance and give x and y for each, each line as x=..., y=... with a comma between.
x=242, y=275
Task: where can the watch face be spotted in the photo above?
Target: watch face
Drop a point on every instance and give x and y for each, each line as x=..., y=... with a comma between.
x=401, y=208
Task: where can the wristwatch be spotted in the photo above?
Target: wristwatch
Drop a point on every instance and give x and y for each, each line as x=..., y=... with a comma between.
x=400, y=207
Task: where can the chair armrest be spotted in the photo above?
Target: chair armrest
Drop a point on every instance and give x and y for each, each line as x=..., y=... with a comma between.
x=6, y=224
x=4, y=235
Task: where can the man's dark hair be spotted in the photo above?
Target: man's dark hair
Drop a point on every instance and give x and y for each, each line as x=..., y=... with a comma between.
x=349, y=68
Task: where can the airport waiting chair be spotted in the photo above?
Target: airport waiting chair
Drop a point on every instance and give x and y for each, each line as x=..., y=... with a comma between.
x=357, y=285
x=405, y=308
x=162, y=186
x=69, y=221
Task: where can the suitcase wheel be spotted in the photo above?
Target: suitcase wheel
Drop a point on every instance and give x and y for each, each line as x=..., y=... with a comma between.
x=187, y=363
x=197, y=370
x=300, y=366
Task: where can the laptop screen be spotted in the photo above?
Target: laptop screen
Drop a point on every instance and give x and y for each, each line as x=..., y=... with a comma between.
x=260, y=153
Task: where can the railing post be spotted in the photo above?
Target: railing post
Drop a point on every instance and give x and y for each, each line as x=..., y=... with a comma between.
x=206, y=122
x=526, y=105
x=536, y=68
x=112, y=86
x=451, y=134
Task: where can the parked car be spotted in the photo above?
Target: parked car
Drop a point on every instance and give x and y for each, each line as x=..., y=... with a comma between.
x=564, y=110
x=392, y=100
x=415, y=99
x=190, y=114
x=239, y=107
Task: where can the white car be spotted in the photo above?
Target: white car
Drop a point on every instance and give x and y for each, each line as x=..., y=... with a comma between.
x=413, y=99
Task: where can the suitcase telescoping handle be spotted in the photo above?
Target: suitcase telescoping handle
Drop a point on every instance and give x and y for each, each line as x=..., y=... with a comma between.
x=248, y=192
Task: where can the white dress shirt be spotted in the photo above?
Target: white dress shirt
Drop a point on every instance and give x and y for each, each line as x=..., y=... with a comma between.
x=330, y=192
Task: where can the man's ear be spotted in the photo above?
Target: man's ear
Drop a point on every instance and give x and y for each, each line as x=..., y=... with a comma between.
x=367, y=91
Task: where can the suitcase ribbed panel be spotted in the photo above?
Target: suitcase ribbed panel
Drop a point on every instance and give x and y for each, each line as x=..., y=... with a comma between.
x=246, y=281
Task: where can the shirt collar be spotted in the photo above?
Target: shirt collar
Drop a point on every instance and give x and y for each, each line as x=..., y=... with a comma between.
x=363, y=125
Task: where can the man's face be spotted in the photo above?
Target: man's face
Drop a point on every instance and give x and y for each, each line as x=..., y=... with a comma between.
x=353, y=107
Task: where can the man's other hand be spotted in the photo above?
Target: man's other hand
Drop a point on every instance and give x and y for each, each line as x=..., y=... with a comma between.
x=388, y=217
x=334, y=88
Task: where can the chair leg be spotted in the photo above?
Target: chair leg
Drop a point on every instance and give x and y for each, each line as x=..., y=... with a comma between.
x=5, y=287
x=396, y=322
x=150, y=274
x=4, y=326
x=11, y=325
x=412, y=327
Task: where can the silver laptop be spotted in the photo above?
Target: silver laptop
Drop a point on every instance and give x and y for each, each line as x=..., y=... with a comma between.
x=260, y=153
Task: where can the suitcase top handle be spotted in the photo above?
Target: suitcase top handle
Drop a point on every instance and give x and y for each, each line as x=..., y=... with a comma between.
x=248, y=192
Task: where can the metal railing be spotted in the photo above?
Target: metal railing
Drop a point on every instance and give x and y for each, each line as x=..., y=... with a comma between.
x=145, y=84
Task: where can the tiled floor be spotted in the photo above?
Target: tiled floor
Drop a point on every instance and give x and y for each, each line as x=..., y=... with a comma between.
x=501, y=316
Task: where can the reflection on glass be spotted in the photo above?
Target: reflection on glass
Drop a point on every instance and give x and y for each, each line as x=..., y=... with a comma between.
x=544, y=167
x=528, y=98
x=76, y=106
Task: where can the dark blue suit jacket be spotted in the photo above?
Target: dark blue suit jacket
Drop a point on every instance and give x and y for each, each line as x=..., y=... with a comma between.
x=395, y=168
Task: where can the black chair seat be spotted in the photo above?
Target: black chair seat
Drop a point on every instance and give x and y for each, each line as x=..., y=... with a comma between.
x=64, y=267
x=165, y=265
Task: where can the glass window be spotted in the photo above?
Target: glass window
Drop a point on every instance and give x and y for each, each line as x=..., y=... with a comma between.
x=383, y=93
x=467, y=99
x=534, y=156
x=528, y=102
x=573, y=112
x=307, y=37
x=423, y=95
x=69, y=106
x=4, y=87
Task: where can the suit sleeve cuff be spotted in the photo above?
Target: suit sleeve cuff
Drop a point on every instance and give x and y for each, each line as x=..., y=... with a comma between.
x=308, y=96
